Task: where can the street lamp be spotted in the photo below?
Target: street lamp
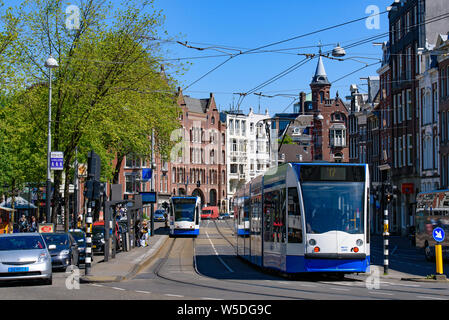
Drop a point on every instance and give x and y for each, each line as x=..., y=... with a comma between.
x=50, y=63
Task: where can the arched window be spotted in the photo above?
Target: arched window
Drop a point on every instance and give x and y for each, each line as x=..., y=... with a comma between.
x=212, y=120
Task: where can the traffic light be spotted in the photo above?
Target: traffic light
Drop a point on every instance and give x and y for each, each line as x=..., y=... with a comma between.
x=389, y=197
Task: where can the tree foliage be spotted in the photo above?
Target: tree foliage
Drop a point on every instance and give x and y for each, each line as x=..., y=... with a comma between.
x=108, y=93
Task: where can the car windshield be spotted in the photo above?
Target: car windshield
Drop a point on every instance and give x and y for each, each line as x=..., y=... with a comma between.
x=59, y=240
x=333, y=206
x=98, y=231
x=184, y=210
x=21, y=243
x=207, y=211
x=79, y=236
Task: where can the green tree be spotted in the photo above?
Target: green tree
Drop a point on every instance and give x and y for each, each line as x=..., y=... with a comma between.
x=108, y=92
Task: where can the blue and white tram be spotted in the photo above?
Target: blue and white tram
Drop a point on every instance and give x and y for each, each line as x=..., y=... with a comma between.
x=241, y=214
x=185, y=216
x=308, y=217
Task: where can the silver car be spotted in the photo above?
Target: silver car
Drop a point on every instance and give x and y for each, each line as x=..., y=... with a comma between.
x=24, y=256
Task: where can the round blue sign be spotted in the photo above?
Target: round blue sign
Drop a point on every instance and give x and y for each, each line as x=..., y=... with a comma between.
x=438, y=234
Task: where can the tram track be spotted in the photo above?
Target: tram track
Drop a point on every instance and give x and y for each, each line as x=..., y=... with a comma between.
x=178, y=250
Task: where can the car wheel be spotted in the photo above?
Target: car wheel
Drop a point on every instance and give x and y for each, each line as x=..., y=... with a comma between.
x=48, y=281
x=427, y=252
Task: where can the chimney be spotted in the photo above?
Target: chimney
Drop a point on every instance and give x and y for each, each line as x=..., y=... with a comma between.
x=302, y=101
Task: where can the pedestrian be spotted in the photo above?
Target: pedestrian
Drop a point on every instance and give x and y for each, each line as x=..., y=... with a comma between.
x=33, y=225
x=79, y=223
x=23, y=224
x=144, y=236
x=137, y=231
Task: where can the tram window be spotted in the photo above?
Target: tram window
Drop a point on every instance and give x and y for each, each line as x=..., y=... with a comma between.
x=294, y=217
x=271, y=206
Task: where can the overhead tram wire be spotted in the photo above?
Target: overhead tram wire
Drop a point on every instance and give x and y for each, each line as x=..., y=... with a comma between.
x=357, y=43
x=279, y=42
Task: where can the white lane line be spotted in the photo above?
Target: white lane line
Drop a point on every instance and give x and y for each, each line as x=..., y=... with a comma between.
x=428, y=297
x=96, y=285
x=210, y=298
x=307, y=285
x=408, y=285
x=173, y=295
x=216, y=253
x=139, y=291
x=116, y=288
x=380, y=292
x=339, y=289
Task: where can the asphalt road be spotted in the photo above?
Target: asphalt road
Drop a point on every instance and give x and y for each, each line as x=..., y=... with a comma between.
x=206, y=268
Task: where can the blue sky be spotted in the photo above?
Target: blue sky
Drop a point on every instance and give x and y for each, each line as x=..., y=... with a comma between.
x=248, y=24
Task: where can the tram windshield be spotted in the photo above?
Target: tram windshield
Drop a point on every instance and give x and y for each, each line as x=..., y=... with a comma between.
x=184, y=209
x=333, y=206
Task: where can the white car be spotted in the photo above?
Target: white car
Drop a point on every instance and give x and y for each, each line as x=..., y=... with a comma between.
x=24, y=256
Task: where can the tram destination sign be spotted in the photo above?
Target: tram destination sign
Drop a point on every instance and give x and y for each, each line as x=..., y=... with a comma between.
x=332, y=173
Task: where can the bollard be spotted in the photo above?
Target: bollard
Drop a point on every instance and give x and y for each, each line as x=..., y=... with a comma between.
x=439, y=258
x=385, y=236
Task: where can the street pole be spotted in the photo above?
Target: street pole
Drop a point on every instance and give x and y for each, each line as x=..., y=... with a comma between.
x=89, y=222
x=152, y=185
x=75, y=191
x=48, y=190
x=50, y=63
x=385, y=236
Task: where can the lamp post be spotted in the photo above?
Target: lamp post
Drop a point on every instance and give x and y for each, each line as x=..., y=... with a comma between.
x=50, y=63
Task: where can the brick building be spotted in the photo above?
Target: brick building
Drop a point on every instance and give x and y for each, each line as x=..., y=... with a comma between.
x=329, y=132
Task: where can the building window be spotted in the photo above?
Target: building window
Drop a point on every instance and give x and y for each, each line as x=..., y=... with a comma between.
x=337, y=137
x=409, y=149
x=409, y=104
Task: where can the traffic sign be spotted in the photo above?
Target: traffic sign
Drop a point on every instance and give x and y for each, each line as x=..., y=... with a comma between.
x=438, y=234
x=57, y=160
x=147, y=174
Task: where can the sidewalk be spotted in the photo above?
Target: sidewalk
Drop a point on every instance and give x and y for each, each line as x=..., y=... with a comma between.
x=125, y=265
x=395, y=271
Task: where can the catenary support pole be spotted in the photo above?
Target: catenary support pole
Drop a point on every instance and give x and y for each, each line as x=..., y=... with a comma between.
x=89, y=221
x=385, y=237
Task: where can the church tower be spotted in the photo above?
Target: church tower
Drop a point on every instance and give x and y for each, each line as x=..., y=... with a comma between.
x=320, y=86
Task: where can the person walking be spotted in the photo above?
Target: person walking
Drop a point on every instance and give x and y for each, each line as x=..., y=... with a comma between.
x=33, y=225
x=23, y=224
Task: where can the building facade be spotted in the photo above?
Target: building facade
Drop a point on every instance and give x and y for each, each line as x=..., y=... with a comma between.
x=248, y=148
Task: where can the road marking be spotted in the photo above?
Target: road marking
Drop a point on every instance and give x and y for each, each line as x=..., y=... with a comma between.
x=97, y=285
x=408, y=285
x=380, y=292
x=173, y=295
x=307, y=285
x=116, y=288
x=339, y=289
x=427, y=297
x=210, y=298
x=216, y=253
x=139, y=291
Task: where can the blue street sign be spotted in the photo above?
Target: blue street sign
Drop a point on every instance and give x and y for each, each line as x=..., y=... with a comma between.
x=438, y=234
x=146, y=174
x=56, y=160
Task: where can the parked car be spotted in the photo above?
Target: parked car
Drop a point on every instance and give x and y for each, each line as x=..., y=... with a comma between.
x=159, y=215
x=24, y=256
x=63, y=249
x=80, y=238
x=98, y=231
x=224, y=216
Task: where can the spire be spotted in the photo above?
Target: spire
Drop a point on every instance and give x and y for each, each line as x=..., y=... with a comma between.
x=320, y=73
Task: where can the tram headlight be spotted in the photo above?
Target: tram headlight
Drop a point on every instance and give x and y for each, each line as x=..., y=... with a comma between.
x=359, y=242
x=312, y=242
